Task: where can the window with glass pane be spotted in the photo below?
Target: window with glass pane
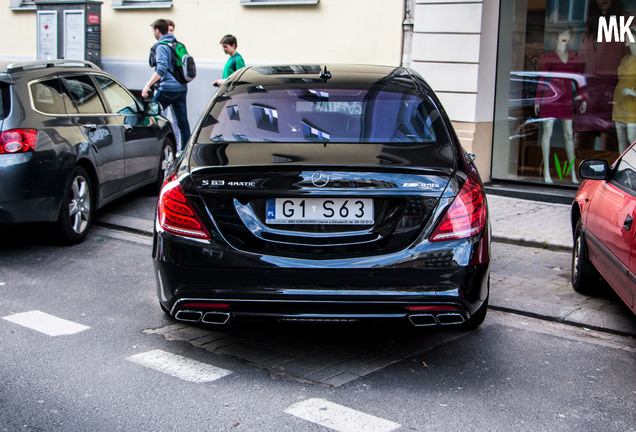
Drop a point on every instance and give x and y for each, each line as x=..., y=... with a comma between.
x=84, y=94
x=325, y=115
x=560, y=92
x=625, y=174
x=26, y=4
x=141, y=3
x=50, y=98
x=277, y=2
x=119, y=100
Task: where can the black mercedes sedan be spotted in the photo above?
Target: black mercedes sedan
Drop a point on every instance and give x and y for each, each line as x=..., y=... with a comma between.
x=324, y=193
x=73, y=139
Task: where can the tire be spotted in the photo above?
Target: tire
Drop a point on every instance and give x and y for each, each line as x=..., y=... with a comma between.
x=76, y=211
x=585, y=277
x=475, y=319
x=165, y=160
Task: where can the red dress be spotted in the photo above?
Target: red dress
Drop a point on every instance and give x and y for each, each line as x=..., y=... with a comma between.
x=558, y=89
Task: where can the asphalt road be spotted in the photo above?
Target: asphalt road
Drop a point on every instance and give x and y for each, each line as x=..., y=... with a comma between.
x=117, y=362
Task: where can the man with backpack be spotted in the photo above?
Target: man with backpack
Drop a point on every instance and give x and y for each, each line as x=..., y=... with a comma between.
x=170, y=90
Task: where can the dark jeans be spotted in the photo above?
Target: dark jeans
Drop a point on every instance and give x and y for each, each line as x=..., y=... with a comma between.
x=178, y=102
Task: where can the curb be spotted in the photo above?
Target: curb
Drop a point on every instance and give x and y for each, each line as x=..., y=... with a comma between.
x=561, y=321
x=532, y=244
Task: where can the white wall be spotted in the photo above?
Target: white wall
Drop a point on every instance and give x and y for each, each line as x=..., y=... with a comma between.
x=454, y=48
x=333, y=31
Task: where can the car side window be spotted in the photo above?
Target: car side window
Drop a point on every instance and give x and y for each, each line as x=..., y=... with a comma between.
x=625, y=173
x=117, y=97
x=50, y=98
x=84, y=94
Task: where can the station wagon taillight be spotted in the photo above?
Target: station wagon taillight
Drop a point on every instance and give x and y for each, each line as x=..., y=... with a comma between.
x=18, y=141
x=466, y=215
x=175, y=214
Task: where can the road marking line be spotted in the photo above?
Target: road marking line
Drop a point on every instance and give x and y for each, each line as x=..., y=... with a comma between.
x=338, y=417
x=179, y=366
x=45, y=323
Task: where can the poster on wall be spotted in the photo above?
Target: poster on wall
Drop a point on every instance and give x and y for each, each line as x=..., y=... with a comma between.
x=47, y=35
x=74, y=45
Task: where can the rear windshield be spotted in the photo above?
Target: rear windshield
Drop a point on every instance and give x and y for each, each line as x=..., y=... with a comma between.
x=5, y=100
x=324, y=115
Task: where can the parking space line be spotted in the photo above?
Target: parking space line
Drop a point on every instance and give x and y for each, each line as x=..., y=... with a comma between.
x=179, y=366
x=338, y=417
x=45, y=323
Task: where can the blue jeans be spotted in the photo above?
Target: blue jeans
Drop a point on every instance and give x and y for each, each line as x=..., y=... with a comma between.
x=180, y=109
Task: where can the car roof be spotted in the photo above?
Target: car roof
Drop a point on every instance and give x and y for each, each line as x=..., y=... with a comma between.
x=335, y=74
x=43, y=68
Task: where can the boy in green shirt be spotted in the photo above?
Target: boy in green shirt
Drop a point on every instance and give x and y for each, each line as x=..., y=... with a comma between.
x=234, y=63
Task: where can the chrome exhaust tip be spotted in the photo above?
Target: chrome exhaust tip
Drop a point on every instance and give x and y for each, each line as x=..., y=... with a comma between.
x=450, y=319
x=188, y=315
x=423, y=320
x=217, y=318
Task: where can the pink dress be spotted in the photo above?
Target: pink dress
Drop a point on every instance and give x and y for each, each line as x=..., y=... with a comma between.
x=558, y=89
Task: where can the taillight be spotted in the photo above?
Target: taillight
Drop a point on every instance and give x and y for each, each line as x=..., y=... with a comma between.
x=175, y=214
x=18, y=140
x=466, y=215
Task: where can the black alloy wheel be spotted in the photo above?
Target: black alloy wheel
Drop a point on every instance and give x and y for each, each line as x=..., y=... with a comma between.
x=76, y=211
x=165, y=160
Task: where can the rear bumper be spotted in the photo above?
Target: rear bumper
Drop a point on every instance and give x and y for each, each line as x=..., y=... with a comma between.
x=29, y=193
x=446, y=286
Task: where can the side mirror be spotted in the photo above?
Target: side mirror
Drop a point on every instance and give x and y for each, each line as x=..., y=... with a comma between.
x=152, y=108
x=594, y=169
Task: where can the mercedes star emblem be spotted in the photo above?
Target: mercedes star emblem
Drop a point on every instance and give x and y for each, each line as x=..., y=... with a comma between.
x=320, y=179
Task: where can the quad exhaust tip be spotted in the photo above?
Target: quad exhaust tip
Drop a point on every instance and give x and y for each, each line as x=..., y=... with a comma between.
x=417, y=320
x=423, y=320
x=217, y=318
x=188, y=315
x=427, y=320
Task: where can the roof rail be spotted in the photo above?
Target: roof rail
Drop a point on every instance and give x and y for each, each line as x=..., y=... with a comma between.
x=43, y=64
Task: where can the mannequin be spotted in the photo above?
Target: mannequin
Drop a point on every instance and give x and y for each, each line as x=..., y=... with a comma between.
x=562, y=106
x=624, y=109
x=601, y=60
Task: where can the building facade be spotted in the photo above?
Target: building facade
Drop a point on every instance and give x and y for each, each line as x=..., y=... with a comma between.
x=528, y=90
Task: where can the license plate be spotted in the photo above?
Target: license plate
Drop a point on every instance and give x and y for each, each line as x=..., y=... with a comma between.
x=321, y=211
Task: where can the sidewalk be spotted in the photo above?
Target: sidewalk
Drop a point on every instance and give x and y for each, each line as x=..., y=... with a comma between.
x=530, y=223
x=542, y=288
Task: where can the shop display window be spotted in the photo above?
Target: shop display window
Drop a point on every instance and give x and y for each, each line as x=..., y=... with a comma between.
x=565, y=92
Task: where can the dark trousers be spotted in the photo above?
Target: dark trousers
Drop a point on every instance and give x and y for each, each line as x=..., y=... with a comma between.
x=178, y=102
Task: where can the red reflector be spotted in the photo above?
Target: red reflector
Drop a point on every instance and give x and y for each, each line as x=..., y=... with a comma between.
x=175, y=214
x=415, y=308
x=18, y=140
x=466, y=215
x=205, y=305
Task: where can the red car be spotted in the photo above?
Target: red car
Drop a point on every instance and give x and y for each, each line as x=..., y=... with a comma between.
x=603, y=213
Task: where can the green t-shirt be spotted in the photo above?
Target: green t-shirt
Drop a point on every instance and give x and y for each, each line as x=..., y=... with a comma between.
x=233, y=64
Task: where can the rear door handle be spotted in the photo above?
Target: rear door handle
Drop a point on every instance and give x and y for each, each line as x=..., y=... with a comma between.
x=127, y=127
x=628, y=223
x=90, y=126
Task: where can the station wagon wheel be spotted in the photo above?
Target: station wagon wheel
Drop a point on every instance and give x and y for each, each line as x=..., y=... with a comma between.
x=585, y=277
x=165, y=160
x=76, y=211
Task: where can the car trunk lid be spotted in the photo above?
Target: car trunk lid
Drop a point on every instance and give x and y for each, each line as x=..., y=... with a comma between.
x=320, y=211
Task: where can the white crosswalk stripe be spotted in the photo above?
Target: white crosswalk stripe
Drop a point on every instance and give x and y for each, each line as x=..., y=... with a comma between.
x=338, y=417
x=179, y=366
x=45, y=323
